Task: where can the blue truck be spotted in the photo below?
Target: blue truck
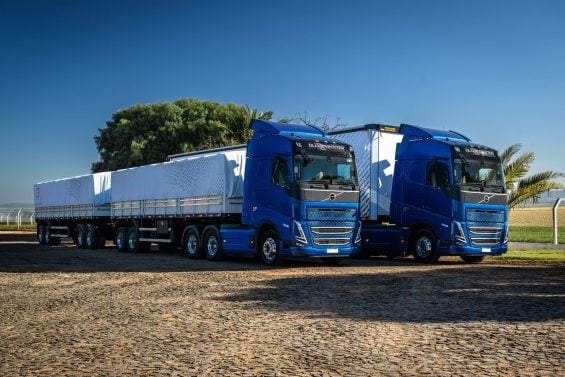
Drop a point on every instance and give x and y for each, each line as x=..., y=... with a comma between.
x=291, y=192
x=429, y=193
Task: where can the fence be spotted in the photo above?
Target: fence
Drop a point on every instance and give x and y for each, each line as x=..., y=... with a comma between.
x=17, y=216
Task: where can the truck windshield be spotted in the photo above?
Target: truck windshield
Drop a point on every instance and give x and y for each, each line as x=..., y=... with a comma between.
x=483, y=172
x=325, y=169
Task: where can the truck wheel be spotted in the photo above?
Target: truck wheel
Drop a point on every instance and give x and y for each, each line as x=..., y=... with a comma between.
x=121, y=239
x=472, y=258
x=81, y=240
x=47, y=235
x=212, y=245
x=269, y=248
x=90, y=237
x=191, y=243
x=423, y=247
x=133, y=243
x=41, y=234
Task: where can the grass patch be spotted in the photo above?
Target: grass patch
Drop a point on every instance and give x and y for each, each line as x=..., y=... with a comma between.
x=535, y=234
x=15, y=227
x=534, y=255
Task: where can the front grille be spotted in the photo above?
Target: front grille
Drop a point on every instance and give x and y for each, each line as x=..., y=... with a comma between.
x=331, y=214
x=332, y=241
x=480, y=215
x=332, y=230
x=485, y=235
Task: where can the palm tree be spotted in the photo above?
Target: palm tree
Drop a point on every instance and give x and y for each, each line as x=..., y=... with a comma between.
x=520, y=188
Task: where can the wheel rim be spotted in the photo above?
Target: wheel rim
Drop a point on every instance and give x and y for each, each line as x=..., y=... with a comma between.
x=80, y=236
x=47, y=235
x=212, y=246
x=192, y=244
x=269, y=249
x=423, y=247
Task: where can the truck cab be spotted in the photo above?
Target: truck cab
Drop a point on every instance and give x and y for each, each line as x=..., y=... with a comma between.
x=301, y=194
x=451, y=195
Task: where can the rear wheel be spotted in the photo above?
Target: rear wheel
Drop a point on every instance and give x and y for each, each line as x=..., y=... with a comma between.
x=91, y=240
x=269, y=248
x=472, y=258
x=41, y=234
x=81, y=236
x=191, y=243
x=423, y=247
x=48, y=235
x=133, y=243
x=212, y=245
x=121, y=239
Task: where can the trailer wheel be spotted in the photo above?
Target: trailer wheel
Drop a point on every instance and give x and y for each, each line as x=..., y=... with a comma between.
x=472, y=258
x=91, y=241
x=121, y=239
x=269, y=248
x=212, y=245
x=423, y=247
x=133, y=243
x=81, y=236
x=191, y=243
x=48, y=235
x=41, y=234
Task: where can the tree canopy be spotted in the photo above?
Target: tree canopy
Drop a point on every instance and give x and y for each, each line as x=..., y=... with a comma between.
x=145, y=134
x=520, y=187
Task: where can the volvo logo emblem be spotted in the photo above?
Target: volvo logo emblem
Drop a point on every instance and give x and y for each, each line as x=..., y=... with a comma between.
x=332, y=196
x=486, y=198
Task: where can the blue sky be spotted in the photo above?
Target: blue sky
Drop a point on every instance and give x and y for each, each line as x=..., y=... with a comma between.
x=493, y=70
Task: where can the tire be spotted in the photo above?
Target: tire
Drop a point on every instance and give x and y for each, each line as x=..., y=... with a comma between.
x=81, y=236
x=121, y=239
x=47, y=235
x=41, y=234
x=90, y=239
x=213, y=245
x=472, y=258
x=331, y=261
x=424, y=247
x=191, y=243
x=269, y=248
x=132, y=240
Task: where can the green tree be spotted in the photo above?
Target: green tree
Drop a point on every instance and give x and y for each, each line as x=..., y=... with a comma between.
x=520, y=187
x=144, y=134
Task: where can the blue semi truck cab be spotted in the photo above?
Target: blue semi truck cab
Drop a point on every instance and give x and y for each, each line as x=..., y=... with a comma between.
x=450, y=193
x=300, y=196
x=429, y=193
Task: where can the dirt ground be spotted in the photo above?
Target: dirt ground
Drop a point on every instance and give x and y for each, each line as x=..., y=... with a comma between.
x=66, y=311
x=536, y=216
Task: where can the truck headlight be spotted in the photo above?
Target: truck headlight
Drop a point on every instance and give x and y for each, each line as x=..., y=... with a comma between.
x=459, y=235
x=358, y=236
x=299, y=235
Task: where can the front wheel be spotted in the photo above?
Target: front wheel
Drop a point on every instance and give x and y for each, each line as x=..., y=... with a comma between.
x=269, y=248
x=472, y=258
x=424, y=247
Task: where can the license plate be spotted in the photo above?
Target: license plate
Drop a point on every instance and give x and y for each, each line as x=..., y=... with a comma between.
x=486, y=249
x=332, y=251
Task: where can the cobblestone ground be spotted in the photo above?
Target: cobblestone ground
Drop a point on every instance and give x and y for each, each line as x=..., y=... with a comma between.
x=65, y=311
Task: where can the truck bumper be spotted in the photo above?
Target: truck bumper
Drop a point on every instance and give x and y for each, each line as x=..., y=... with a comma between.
x=336, y=251
x=472, y=251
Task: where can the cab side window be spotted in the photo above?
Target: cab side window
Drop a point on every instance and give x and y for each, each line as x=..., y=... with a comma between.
x=280, y=173
x=437, y=175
